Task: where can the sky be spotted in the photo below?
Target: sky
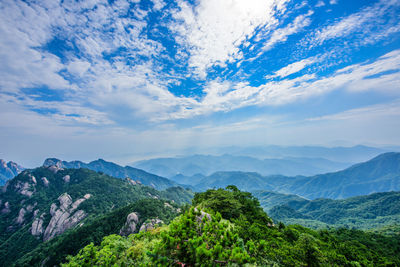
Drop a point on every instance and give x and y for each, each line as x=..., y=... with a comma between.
x=124, y=80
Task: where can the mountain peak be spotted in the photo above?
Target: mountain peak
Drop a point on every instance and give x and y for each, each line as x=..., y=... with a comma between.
x=51, y=161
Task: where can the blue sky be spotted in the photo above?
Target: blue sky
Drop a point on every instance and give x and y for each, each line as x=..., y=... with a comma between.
x=123, y=79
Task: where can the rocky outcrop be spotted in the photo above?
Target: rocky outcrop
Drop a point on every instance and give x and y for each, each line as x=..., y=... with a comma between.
x=21, y=214
x=153, y=223
x=64, y=216
x=130, y=181
x=67, y=178
x=53, y=162
x=37, y=225
x=130, y=225
x=25, y=189
x=55, y=168
x=53, y=165
x=6, y=208
x=45, y=181
x=4, y=189
x=199, y=218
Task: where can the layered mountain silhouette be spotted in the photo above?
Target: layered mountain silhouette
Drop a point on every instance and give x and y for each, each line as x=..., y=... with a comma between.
x=8, y=170
x=208, y=164
x=379, y=174
x=114, y=170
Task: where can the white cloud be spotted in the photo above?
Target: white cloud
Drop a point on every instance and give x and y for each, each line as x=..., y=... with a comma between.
x=320, y=4
x=364, y=113
x=333, y=2
x=292, y=68
x=78, y=67
x=280, y=35
x=381, y=75
x=213, y=31
x=370, y=22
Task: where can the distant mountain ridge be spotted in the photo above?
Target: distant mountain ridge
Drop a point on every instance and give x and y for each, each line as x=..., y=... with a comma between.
x=379, y=174
x=9, y=170
x=352, y=154
x=208, y=164
x=115, y=170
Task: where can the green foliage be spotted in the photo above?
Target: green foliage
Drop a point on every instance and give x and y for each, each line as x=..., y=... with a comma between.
x=93, y=232
x=108, y=194
x=198, y=239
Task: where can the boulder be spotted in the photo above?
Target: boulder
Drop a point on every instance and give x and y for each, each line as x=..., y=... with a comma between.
x=153, y=223
x=6, y=208
x=45, y=181
x=67, y=178
x=130, y=225
x=55, y=168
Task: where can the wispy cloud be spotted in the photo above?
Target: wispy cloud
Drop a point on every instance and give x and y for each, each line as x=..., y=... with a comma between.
x=213, y=31
x=281, y=34
x=371, y=22
x=292, y=68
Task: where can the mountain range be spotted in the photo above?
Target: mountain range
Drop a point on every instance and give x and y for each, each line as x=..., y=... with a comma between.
x=350, y=154
x=8, y=170
x=115, y=170
x=379, y=174
x=208, y=164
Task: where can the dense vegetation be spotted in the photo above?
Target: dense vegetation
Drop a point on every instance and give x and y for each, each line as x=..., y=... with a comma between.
x=107, y=194
x=54, y=251
x=228, y=227
x=363, y=212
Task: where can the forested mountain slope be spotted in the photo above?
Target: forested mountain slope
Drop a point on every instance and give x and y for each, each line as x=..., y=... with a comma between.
x=41, y=204
x=229, y=228
x=364, y=212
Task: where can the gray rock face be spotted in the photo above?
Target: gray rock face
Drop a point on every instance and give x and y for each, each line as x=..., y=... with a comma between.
x=26, y=188
x=130, y=181
x=67, y=178
x=150, y=225
x=6, y=208
x=130, y=225
x=21, y=214
x=45, y=181
x=4, y=189
x=55, y=168
x=37, y=225
x=64, y=216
